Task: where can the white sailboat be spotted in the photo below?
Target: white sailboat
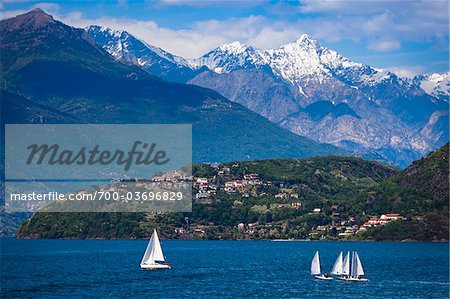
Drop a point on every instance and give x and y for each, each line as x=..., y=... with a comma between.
x=351, y=269
x=315, y=268
x=153, y=257
x=338, y=267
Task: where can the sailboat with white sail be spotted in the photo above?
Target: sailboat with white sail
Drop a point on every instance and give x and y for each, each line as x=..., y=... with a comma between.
x=350, y=268
x=153, y=257
x=338, y=267
x=315, y=269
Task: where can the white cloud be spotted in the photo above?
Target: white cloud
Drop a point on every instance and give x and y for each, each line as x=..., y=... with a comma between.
x=380, y=25
x=50, y=8
x=407, y=71
x=202, y=36
x=207, y=3
x=6, y=14
x=384, y=45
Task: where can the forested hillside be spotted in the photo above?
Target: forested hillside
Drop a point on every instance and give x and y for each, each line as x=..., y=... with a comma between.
x=315, y=198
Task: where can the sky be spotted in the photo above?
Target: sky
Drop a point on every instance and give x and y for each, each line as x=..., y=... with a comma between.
x=408, y=37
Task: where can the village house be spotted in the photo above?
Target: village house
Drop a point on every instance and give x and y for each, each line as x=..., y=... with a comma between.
x=202, y=195
x=214, y=165
x=198, y=229
x=349, y=231
x=391, y=217
x=281, y=195
x=235, y=183
x=225, y=171
x=345, y=234
x=251, y=176
x=322, y=228
x=202, y=180
x=384, y=219
x=296, y=204
x=180, y=230
x=229, y=189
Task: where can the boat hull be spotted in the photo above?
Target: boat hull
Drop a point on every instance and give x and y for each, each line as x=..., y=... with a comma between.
x=321, y=277
x=155, y=266
x=352, y=279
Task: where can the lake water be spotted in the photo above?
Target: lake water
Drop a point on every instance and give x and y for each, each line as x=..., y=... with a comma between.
x=217, y=269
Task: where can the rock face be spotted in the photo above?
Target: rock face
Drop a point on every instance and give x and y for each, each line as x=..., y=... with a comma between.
x=315, y=92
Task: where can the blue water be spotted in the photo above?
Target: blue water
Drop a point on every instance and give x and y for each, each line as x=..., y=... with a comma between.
x=217, y=269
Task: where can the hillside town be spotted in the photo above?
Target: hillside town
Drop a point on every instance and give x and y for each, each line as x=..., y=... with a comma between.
x=249, y=188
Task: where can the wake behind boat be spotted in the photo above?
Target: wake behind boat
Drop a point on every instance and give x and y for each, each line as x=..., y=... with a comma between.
x=350, y=268
x=315, y=269
x=153, y=257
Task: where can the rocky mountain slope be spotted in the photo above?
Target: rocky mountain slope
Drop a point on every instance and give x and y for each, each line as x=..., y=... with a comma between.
x=369, y=109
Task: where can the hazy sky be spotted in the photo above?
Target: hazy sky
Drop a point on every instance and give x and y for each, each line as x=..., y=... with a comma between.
x=408, y=37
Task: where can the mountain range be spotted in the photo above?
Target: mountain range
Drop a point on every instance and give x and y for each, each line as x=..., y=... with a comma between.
x=55, y=73
x=310, y=90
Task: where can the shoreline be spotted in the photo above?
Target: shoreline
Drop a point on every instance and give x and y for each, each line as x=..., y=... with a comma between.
x=237, y=240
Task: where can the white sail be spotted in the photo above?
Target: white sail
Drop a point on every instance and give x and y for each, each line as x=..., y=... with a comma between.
x=154, y=251
x=338, y=267
x=346, y=266
x=315, y=264
x=352, y=266
x=359, y=271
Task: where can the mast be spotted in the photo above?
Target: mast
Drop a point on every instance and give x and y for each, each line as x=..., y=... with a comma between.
x=352, y=267
x=338, y=267
x=346, y=266
x=315, y=264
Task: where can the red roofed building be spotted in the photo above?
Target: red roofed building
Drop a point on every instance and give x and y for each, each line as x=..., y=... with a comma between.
x=391, y=217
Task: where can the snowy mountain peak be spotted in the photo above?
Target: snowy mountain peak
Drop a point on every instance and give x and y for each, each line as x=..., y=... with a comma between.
x=227, y=58
x=107, y=31
x=123, y=46
x=235, y=47
x=305, y=39
x=361, y=107
x=437, y=85
x=438, y=78
x=299, y=62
